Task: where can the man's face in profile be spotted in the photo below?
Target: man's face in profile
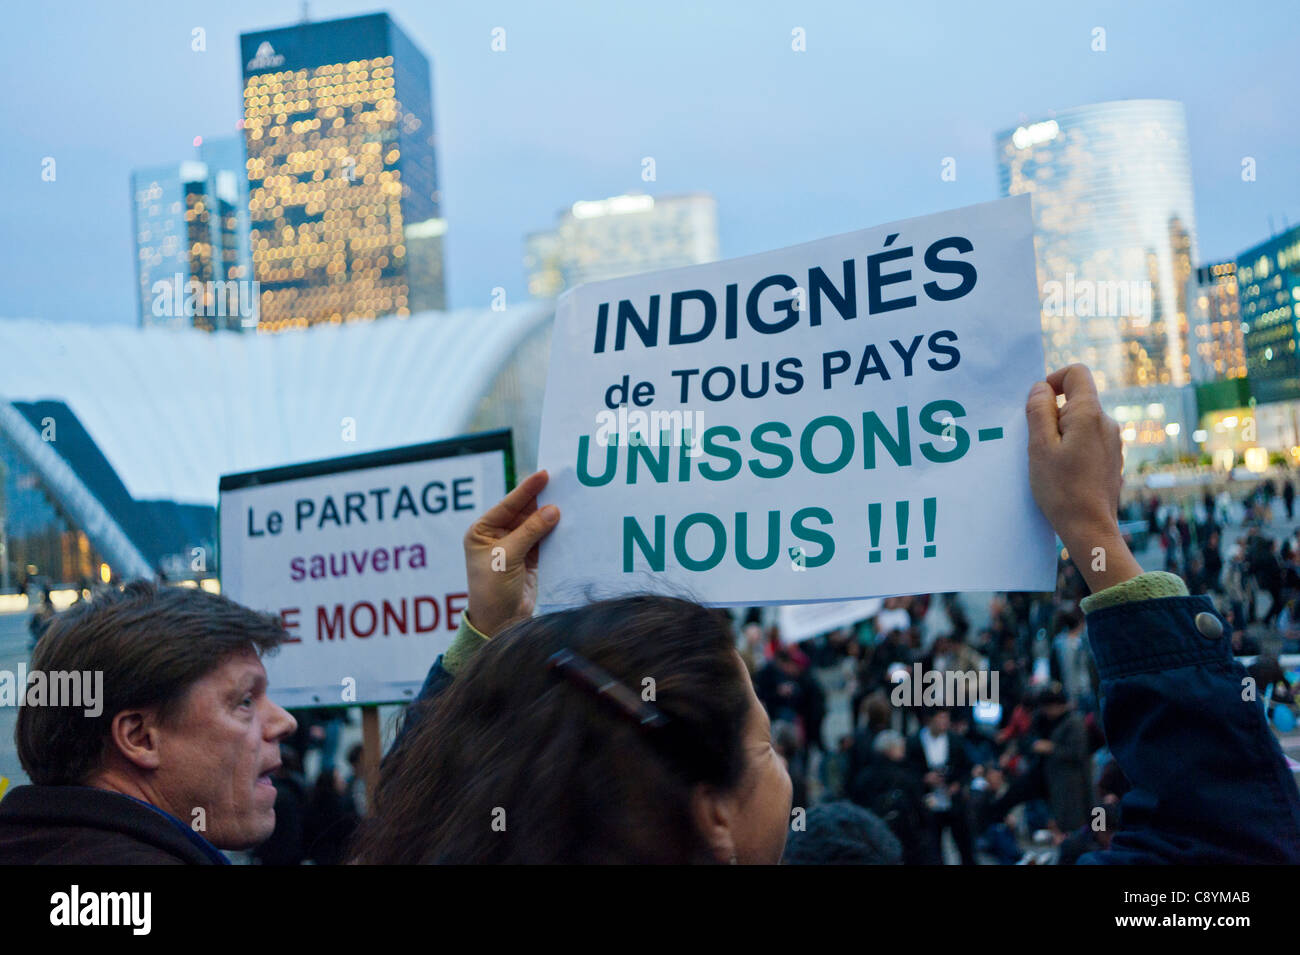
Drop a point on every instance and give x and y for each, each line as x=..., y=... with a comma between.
x=219, y=752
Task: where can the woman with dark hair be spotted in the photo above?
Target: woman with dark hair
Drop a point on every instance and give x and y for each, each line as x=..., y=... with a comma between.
x=625, y=731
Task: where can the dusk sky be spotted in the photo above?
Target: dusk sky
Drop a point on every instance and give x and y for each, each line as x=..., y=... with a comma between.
x=794, y=145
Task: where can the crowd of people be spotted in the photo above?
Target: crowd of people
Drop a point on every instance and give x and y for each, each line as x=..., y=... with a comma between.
x=1259, y=581
x=954, y=773
x=651, y=729
x=1028, y=779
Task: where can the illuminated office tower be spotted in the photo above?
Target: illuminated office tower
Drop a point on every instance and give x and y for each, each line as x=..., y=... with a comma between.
x=1214, y=320
x=1114, y=231
x=191, y=226
x=1268, y=284
x=342, y=173
x=1115, y=238
x=622, y=235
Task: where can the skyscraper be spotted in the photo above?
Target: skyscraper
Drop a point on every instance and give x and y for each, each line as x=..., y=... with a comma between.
x=622, y=235
x=191, y=226
x=342, y=173
x=1115, y=237
x=1214, y=321
x=1269, y=288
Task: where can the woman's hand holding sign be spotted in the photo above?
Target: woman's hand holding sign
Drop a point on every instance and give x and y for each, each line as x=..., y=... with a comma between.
x=1076, y=462
x=501, y=557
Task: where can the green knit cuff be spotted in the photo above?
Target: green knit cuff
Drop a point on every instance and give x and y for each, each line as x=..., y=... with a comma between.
x=1148, y=586
x=463, y=646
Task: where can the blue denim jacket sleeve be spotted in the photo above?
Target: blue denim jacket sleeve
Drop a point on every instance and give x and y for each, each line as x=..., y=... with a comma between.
x=1210, y=783
x=464, y=645
x=438, y=679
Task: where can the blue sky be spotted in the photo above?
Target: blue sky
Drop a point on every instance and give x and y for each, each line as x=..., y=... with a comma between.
x=795, y=146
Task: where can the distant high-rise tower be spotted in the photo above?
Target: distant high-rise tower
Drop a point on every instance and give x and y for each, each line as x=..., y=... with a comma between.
x=622, y=235
x=342, y=173
x=1268, y=284
x=191, y=228
x=1214, y=319
x=1115, y=238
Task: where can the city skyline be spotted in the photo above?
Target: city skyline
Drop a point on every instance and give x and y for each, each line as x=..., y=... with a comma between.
x=504, y=174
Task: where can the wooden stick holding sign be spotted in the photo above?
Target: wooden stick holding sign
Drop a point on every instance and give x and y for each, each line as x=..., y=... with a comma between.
x=371, y=753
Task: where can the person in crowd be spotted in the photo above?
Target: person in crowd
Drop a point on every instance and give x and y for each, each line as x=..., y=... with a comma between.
x=786, y=742
x=176, y=760
x=1171, y=545
x=840, y=833
x=40, y=620
x=834, y=773
x=1212, y=562
x=993, y=837
x=356, y=780
x=751, y=646
x=1072, y=660
x=781, y=687
x=1057, y=767
x=287, y=843
x=1288, y=624
x=533, y=740
x=1097, y=832
x=1271, y=682
x=331, y=819
x=1062, y=741
x=891, y=789
x=939, y=757
x=1196, y=579
x=1239, y=588
x=876, y=716
x=1288, y=498
x=1268, y=571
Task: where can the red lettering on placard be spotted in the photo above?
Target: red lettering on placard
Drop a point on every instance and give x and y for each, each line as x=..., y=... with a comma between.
x=454, y=609
x=433, y=605
x=290, y=625
x=367, y=618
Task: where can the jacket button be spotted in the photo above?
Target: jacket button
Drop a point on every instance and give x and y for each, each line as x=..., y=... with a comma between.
x=1210, y=626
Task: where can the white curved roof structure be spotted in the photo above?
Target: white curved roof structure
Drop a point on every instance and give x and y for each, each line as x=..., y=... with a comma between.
x=172, y=410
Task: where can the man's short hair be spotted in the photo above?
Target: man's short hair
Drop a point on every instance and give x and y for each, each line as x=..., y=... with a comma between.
x=152, y=644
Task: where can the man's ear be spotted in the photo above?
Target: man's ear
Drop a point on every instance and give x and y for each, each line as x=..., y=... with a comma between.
x=135, y=737
x=714, y=815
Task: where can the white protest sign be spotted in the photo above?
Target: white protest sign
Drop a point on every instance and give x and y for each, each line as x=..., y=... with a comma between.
x=362, y=559
x=801, y=621
x=837, y=420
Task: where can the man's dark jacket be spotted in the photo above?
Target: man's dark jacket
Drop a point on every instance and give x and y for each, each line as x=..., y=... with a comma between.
x=78, y=825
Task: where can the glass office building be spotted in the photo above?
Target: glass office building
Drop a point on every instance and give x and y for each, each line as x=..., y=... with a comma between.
x=191, y=228
x=1115, y=237
x=622, y=235
x=1217, y=347
x=342, y=173
x=1269, y=288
